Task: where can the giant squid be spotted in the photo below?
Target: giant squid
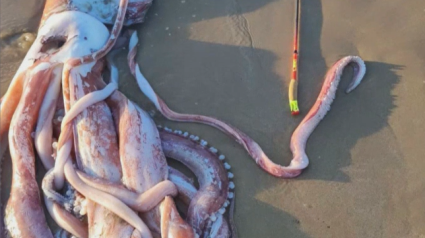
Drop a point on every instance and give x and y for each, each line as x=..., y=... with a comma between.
x=106, y=158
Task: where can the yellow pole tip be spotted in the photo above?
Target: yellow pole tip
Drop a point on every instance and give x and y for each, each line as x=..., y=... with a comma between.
x=294, y=107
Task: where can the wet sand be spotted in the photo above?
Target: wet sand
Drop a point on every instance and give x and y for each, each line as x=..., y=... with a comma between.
x=231, y=60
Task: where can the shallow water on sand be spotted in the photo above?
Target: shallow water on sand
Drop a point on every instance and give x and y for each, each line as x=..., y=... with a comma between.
x=18, y=25
x=231, y=60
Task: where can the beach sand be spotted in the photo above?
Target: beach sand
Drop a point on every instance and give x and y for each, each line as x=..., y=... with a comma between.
x=232, y=60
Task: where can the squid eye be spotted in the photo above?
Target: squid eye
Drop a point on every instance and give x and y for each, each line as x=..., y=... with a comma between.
x=52, y=44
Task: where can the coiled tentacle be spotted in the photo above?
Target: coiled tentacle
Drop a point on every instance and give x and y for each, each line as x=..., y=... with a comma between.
x=300, y=160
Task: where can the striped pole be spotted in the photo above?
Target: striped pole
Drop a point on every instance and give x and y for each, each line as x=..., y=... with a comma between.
x=293, y=85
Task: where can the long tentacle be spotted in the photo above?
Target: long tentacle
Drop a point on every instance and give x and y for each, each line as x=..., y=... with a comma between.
x=299, y=161
x=250, y=145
